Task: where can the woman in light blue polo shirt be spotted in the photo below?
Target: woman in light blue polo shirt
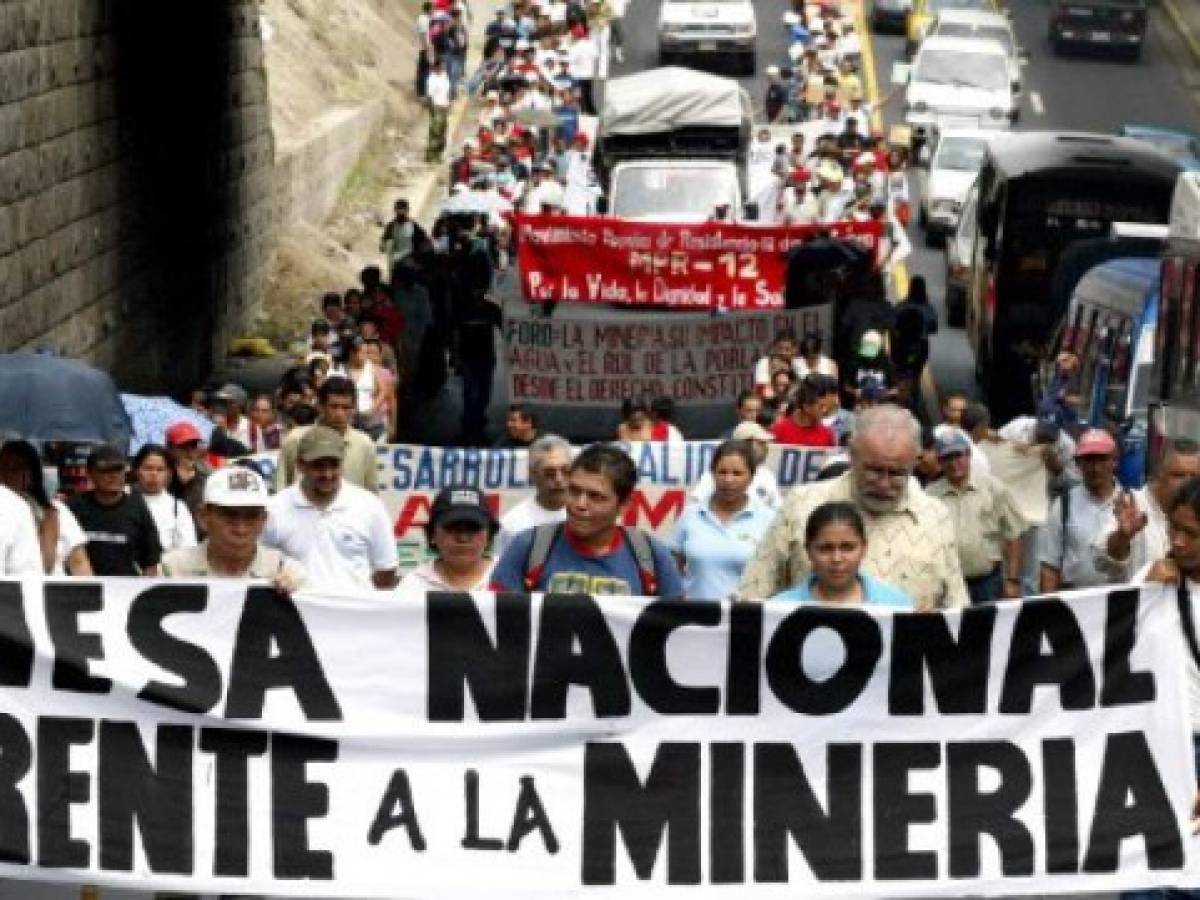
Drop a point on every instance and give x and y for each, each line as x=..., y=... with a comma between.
x=835, y=539
x=714, y=540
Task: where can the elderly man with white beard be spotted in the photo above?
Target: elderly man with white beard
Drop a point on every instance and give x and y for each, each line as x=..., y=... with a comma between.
x=910, y=537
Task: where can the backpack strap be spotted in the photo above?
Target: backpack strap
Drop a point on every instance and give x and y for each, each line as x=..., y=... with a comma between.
x=643, y=553
x=544, y=539
x=1065, y=507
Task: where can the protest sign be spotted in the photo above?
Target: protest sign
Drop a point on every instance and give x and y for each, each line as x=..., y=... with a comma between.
x=702, y=265
x=410, y=477
x=694, y=359
x=220, y=738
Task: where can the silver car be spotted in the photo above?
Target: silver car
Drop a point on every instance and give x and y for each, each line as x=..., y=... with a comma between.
x=946, y=170
x=713, y=29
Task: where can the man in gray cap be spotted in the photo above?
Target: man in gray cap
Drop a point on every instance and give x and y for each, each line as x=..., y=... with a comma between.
x=229, y=404
x=987, y=523
x=340, y=532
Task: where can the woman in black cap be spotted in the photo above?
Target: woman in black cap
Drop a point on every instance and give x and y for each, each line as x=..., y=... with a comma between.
x=460, y=531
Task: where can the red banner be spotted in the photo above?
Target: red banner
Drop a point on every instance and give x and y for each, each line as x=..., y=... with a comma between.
x=705, y=265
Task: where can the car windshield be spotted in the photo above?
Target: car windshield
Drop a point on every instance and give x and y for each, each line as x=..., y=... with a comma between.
x=983, y=71
x=938, y=6
x=672, y=193
x=1001, y=36
x=960, y=154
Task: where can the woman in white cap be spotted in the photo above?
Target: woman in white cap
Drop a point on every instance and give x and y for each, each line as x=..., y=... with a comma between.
x=459, y=532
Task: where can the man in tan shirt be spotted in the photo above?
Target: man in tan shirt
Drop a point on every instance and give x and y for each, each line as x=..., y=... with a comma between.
x=987, y=524
x=338, y=400
x=910, y=537
x=234, y=513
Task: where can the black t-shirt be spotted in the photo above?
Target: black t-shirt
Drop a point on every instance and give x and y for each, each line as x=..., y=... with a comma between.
x=122, y=539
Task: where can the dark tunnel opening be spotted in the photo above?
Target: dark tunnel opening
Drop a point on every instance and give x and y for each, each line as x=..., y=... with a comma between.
x=175, y=114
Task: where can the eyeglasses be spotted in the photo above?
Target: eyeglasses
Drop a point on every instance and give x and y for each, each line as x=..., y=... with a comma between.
x=883, y=473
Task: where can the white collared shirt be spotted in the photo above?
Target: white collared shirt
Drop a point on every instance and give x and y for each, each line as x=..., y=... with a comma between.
x=339, y=546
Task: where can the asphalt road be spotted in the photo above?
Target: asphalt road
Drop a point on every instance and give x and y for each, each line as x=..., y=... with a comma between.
x=1080, y=93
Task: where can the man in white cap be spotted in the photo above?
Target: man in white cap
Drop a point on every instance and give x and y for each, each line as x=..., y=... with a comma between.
x=764, y=486
x=234, y=513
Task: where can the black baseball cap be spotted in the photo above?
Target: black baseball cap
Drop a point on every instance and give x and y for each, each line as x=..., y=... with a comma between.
x=461, y=504
x=106, y=458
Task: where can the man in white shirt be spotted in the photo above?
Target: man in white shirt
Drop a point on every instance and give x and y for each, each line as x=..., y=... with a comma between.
x=1066, y=554
x=339, y=532
x=1137, y=534
x=583, y=57
x=549, y=466
x=20, y=552
x=438, y=93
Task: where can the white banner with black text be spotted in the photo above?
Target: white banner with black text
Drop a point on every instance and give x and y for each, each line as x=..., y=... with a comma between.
x=220, y=738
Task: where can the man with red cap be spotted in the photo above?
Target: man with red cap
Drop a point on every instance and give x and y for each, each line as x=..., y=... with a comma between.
x=192, y=467
x=1075, y=518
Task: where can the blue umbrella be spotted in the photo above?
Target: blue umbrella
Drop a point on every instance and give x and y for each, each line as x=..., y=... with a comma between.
x=151, y=416
x=51, y=398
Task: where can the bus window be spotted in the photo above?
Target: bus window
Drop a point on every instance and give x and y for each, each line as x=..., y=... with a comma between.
x=1185, y=355
x=1116, y=399
x=1190, y=335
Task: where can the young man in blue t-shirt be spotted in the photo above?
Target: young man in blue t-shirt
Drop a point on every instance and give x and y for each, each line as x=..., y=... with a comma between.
x=591, y=553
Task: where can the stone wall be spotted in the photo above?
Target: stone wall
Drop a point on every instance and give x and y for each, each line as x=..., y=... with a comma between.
x=137, y=194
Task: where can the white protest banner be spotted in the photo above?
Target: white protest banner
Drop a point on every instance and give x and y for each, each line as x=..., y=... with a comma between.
x=220, y=738
x=410, y=477
x=692, y=358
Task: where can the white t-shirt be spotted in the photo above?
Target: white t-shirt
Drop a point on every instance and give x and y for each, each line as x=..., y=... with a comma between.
x=70, y=536
x=425, y=578
x=525, y=515
x=20, y=552
x=340, y=546
x=176, y=530
x=583, y=57
x=1193, y=673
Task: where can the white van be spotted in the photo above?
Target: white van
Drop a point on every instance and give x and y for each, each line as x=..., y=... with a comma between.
x=960, y=83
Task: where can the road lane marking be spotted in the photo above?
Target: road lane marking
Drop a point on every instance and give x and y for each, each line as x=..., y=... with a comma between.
x=1035, y=101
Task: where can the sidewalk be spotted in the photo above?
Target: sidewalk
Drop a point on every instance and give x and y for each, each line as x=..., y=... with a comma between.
x=1185, y=16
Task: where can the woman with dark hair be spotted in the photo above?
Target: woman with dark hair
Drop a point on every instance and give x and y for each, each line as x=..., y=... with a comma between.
x=460, y=531
x=155, y=479
x=636, y=422
x=835, y=540
x=662, y=414
x=62, y=540
x=915, y=321
x=812, y=361
x=714, y=540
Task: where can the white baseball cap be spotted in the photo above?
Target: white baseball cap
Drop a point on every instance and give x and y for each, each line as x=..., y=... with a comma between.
x=751, y=431
x=236, y=486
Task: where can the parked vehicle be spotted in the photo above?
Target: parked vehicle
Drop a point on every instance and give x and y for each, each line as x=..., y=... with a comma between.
x=1038, y=194
x=1110, y=326
x=715, y=30
x=1180, y=145
x=673, y=145
x=923, y=12
x=987, y=26
x=949, y=166
x=890, y=15
x=960, y=247
x=1116, y=26
x=1175, y=376
x=959, y=83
